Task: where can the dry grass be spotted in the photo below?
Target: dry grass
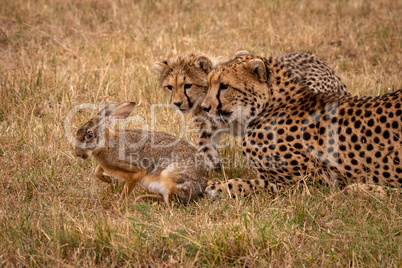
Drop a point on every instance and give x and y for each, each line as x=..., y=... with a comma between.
x=57, y=54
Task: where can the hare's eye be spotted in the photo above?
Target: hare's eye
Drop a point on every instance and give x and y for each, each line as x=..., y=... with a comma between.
x=188, y=86
x=169, y=87
x=89, y=135
x=223, y=86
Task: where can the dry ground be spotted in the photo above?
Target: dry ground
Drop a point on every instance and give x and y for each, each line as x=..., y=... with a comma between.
x=57, y=54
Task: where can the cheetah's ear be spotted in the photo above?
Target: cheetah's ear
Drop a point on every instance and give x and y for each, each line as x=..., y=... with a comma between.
x=257, y=67
x=241, y=53
x=160, y=66
x=203, y=63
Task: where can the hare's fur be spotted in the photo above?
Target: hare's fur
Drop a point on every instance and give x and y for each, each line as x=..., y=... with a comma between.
x=162, y=163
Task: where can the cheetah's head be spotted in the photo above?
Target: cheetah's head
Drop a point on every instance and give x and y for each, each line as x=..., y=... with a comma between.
x=238, y=89
x=184, y=80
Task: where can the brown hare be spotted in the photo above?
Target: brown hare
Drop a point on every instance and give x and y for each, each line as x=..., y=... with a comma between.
x=162, y=163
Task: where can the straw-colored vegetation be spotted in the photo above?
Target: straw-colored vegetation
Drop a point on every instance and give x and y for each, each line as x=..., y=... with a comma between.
x=60, y=53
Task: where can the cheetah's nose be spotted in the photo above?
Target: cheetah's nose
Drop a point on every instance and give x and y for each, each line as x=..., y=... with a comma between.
x=207, y=109
x=178, y=104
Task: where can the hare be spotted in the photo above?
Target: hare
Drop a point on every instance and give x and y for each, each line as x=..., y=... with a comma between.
x=162, y=163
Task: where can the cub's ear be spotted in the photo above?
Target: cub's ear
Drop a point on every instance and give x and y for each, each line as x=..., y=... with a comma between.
x=257, y=67
x=160, y=66
x=241, y=53
x=203, y=63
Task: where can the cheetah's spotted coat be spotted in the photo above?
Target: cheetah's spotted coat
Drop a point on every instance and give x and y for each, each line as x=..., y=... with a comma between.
x=293, y=131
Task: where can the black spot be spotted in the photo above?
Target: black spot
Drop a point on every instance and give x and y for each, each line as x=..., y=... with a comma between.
x=386, y=134
x=298, y=146
x=287, y=156
x=322, y=130
x=283, y=148
x=294, y=163
x=357, y=147
x=320, y=142
x=358, y=124
x=306, y=136
x=367, y=114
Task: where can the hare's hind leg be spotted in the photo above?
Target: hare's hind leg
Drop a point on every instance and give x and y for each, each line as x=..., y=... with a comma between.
x=99, y=174
x=131, y=180
x=160, y=183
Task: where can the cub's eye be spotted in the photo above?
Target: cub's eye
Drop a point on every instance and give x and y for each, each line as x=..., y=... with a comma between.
x=89, y=135
x=169, y=87
x=188, y=86
x=223, y=86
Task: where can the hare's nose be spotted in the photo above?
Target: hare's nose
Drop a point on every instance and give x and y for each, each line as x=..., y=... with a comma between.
x=207, y=109
x=178, y=104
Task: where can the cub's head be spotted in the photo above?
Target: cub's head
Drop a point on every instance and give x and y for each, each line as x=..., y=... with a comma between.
x=184, y=79
x=238, y=89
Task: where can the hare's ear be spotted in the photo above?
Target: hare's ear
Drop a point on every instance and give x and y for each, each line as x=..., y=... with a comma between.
x=122, y=110
x=107, y=110
x=241, y=53
x=203, y=63
x=257, y=67
x=160, y=66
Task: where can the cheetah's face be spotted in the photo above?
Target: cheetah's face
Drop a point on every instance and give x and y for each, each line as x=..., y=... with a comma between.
x=184, y=80
x=238, y=90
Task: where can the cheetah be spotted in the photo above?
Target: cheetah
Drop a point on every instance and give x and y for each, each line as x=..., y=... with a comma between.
x=184, y=79
x=293, y=132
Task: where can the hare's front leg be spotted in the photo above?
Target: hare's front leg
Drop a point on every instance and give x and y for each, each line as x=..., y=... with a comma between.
x=99, y=174
x=131, y=180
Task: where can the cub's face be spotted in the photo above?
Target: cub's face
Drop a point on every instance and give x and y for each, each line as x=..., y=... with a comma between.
x=184, y=80
x=238, y=89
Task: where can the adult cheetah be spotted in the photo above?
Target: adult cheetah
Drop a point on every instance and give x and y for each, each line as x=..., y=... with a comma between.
x=293, y=131
x=184, y=79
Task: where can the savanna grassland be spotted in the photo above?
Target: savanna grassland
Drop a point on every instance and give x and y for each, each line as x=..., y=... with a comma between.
x=61, y=53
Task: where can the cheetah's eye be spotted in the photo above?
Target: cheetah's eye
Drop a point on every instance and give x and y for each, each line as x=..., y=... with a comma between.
x=188, y=86
x=223, y=86
x=169, y=87
x=89, y=135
